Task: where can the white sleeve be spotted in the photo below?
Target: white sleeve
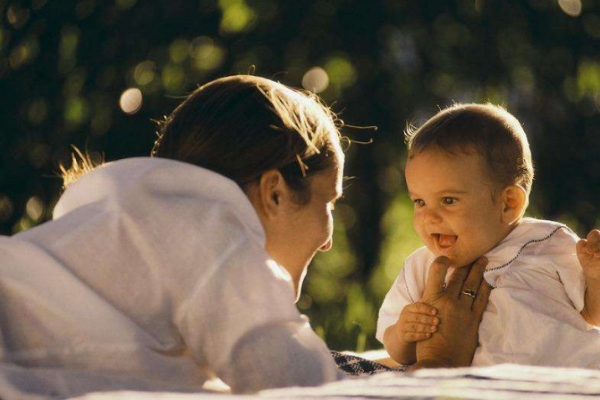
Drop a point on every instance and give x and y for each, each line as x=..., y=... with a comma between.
x=279, y=355
x=564, y=256
x=407, y=289
x=243, y=323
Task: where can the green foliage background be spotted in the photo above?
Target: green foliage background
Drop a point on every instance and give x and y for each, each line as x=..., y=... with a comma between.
x=64, y=65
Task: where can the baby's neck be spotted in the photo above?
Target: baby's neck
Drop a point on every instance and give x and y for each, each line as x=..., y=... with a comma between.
x=507, y=231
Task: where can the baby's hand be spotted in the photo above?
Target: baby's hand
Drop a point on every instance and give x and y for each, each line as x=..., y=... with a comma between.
x=588, y=252
x=417, y=322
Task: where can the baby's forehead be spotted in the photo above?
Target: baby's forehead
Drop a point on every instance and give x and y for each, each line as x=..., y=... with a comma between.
x=454, y=162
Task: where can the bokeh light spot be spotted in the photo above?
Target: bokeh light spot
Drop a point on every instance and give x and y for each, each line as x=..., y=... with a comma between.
x=341, y=71
x=206, y=53
x=178, y=50
x=17, y=16
x=131, y=101
x=76, y=111
x=237, y=16
x=37, y=111
x=67, y=49
x=570, y=7
x=6, y=208
x=39, y=155
x=101, y=122
x=316, y=80
x=4, y=37
x=38, y=4
x=34, y=208
x=144, y=72
x=173, y=77
x=588, y=79
x=125, y=4
x=85, y=8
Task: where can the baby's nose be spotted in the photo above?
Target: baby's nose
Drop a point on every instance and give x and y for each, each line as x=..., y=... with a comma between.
x=432, y=217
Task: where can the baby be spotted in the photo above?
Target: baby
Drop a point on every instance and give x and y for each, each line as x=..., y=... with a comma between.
x=469, y=174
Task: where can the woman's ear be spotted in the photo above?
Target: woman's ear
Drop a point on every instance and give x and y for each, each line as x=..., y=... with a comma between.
x=514, y=200
x=273, y=193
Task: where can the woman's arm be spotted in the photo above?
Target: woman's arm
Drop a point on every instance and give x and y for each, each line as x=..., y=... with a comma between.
x=280, y=355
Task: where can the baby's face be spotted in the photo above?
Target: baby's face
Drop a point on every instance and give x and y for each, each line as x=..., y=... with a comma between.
x=454, y=213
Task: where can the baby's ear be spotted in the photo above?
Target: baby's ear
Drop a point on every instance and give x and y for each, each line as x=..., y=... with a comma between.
x=514, y=200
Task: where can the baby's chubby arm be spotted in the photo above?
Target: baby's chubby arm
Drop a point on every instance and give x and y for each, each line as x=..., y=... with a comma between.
x=588, y=252
x=416, y=322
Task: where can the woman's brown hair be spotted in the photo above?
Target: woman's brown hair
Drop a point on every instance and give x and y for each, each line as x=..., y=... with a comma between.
x=242, y=126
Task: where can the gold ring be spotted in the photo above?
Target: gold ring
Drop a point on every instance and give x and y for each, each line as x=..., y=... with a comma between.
x=471, y=293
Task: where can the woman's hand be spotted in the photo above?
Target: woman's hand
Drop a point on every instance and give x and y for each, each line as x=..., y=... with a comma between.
x=460, y=308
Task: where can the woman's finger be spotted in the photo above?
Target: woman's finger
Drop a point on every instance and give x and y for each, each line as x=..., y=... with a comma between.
x=457, y=281
x=483, y=296
x=474, y=279
x=437, y=277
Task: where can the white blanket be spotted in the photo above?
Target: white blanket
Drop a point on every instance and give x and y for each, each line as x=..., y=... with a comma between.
x=497, y=382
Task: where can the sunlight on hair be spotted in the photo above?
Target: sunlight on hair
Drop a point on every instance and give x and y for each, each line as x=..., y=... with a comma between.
x=304, y=113
x=81, y=164
x=131, y=101
x=570, y=7
x=315, y=80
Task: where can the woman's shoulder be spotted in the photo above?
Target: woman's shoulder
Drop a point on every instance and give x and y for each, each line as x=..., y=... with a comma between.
x=161, y=188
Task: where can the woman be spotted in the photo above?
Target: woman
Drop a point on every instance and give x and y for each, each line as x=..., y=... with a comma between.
x=159, y=273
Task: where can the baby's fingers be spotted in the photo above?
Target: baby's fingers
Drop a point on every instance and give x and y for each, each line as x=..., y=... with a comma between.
x=412, y=318
x=419, y=328
x=421, y=308
x=415, y=336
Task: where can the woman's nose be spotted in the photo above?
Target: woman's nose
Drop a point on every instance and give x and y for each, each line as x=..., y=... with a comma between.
x=327, y=245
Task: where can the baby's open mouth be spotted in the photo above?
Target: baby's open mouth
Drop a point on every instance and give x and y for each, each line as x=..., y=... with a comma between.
x=445, y=241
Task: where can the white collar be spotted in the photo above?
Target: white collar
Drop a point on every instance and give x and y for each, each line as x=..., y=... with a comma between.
x=530, y=232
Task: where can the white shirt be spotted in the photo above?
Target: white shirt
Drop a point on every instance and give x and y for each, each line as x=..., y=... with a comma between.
x=152, y=276
x=533, y=316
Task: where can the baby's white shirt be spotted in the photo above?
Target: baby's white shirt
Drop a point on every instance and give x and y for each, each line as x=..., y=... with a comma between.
x=533, y=316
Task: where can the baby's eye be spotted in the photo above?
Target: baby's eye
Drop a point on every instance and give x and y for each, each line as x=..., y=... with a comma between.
x=449, y=200
x=419, y=203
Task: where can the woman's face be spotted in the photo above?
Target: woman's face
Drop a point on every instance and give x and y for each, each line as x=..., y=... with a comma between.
x=298, y=233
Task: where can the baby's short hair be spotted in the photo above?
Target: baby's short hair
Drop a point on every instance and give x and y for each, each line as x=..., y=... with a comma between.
x=489, y=130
